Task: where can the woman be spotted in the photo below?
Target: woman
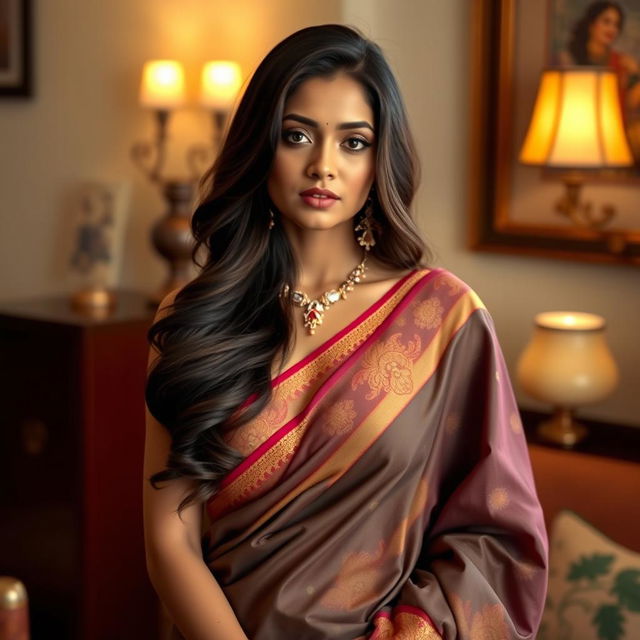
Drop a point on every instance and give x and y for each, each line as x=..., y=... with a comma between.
x=342, y=411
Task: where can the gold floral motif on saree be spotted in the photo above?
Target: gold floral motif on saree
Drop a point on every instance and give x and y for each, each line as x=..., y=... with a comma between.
x=451, y=423
x=498, y=499
x=252, y=435
x=446, y=280
x=388, y=366
x=405, y=626
x=487, y=623
x=428, y=314
x=357, y=581
x=340, y=418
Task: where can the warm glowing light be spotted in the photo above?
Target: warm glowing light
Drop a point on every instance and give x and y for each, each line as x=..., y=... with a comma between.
x=569, y=320
x=577, y=121
x=221, y=80
x=162, y=84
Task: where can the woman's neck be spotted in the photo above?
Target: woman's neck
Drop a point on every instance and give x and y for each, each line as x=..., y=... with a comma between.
x=325, y=257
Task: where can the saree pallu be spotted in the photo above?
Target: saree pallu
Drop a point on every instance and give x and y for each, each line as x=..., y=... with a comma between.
x=386, y=491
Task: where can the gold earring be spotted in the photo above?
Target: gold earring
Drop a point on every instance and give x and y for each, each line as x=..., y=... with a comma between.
x=272, y=222
x=366, y=238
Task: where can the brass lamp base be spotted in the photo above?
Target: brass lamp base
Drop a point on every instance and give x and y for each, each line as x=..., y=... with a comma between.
x=95, y=302
x=579, y=212
x=562, y=429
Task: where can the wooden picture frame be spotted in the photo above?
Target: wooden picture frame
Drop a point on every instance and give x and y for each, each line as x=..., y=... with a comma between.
x=15, y=49
x=501, y=102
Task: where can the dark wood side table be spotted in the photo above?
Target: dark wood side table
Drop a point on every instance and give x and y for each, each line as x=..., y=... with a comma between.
x=71, y=455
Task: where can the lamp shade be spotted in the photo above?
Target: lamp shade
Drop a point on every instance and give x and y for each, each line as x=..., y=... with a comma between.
x=162, y=84
x=577, y=121
x=567, y=362
x=221, y=80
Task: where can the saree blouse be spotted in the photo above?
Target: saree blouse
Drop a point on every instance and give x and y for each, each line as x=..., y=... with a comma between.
x=386, y=491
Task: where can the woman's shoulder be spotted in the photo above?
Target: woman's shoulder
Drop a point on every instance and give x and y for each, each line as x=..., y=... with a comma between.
x=438, y=281
x=166, y=305
x=445, y=303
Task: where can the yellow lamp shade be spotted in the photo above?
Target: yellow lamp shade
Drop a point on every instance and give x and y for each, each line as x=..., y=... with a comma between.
x=221, y=80
x=577, y=121
x=162, y=84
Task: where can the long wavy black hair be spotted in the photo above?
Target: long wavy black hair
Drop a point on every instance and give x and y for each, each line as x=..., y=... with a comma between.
x=580, y=32
x=225, y=330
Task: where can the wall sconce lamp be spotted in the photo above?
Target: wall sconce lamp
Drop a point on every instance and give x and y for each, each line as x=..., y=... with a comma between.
x=568, y=364
x=577, y=127
x=220, y=83
x=163, y=89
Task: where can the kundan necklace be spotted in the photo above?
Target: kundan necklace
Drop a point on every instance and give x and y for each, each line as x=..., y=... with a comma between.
x=315, y=309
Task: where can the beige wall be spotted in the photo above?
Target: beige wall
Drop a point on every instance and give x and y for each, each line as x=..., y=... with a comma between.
x=84, y=120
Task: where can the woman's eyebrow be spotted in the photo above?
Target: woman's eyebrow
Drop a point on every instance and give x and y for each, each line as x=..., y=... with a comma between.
x=360, y=124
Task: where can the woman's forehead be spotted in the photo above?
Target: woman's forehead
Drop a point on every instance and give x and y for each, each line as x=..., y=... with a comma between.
x=330, y=100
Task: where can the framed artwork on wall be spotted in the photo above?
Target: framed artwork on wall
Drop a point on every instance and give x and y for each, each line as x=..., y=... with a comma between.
x=95, y=238
x=15, y=48
x=512, y=205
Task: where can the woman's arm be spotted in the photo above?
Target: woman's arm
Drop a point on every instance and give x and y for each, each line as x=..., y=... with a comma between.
x=182, y=580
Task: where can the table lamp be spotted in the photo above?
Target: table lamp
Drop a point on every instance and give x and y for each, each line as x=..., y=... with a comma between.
x=567, y=364
x=577, y=127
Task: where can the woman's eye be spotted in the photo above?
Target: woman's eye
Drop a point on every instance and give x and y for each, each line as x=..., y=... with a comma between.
x=357, y=144
x=294, y=136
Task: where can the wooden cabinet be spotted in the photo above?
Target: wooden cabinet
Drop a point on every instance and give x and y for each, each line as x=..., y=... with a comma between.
x=71, y=455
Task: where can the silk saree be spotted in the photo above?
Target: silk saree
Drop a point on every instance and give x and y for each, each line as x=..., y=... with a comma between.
x=386, y=491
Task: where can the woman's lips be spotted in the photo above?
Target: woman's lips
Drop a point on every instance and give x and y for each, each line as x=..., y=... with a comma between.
x=318, y=202
x=319, y=198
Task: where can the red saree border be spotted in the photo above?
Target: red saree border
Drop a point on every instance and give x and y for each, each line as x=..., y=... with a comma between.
x=285, y=429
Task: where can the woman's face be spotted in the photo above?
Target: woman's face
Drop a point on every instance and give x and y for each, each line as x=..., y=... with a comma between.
x=327, y=142
x=606, y=27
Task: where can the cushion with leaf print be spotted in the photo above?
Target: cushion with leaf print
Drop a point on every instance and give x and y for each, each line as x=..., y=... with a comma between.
x=594, y=585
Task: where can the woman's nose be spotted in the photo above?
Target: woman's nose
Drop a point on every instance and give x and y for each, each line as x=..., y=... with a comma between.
x=322, y=162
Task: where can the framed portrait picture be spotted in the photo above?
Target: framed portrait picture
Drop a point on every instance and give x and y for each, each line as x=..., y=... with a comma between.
x=98, y=212
x=513, y=206
x=15, y=48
